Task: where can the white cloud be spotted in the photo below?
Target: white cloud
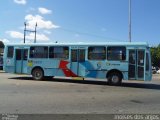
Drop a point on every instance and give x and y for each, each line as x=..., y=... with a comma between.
x=4, y=40
x=43, y=26
x=29, y=37
x=39, y=37
x=23, y=2
x=41, y=22
x=44, y=11
x=47, y=32
x=15, y=34
x=31, y=9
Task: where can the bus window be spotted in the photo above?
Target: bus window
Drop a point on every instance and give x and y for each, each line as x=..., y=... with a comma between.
x=59, y=52
x=141, y=63
x=116, y=53
x=78, y=55
x=39, y=52
x=81, y=55
x=25, y=54
x=141, y=58
x=97, y=53
x=132, y=57
x=74, y=55
x=18, y=54
x=10, y=52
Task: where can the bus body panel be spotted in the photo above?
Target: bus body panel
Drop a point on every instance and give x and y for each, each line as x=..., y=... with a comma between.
x=79, y=63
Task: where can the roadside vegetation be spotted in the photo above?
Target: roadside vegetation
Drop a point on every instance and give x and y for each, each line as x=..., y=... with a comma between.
x=155, y=56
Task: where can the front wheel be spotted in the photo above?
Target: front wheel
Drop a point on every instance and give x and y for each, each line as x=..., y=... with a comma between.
x=114, y=78
x=37, y=74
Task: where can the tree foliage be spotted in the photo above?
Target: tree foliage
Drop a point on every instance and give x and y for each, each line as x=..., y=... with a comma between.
x=155, y=56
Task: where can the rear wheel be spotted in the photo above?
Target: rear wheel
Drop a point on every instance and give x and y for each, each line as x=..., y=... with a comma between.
x=37, y=74
x=114, y=78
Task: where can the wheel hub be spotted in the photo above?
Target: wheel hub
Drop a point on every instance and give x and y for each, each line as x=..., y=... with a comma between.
x=115, y=79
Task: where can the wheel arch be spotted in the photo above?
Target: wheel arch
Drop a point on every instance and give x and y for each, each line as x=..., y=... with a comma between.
x=112, y=71
x=36, y=68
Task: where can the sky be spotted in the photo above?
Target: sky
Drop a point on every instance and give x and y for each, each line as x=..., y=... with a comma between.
x=71, y=21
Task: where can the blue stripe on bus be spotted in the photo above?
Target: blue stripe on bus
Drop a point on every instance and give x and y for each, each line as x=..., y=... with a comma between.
x=89, y=67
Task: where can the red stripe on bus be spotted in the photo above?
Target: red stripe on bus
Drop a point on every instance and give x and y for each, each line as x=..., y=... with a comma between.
x=66, y=71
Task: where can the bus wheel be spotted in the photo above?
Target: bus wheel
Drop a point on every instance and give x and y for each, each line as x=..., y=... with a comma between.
x=114, y=78
x=37, y=74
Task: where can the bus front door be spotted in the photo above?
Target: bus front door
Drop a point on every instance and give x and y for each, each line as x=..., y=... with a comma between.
x=136, y=64
x=21, y=60
x=77, y=59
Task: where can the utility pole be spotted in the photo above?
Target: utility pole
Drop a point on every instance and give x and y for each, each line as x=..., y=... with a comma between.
x=35, y=33
x=25, y=30
x=129, y=21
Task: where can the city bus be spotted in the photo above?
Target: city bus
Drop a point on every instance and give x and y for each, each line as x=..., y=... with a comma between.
x=110, y=61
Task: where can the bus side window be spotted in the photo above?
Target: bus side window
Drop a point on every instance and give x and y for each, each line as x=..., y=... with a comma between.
x=10, y=52
x=59, y=52
x=97, y=53
x=116, y=53
x=39, y=52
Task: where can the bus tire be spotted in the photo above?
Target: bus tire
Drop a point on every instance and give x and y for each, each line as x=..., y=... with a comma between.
x=114, y=78
x=37, y=73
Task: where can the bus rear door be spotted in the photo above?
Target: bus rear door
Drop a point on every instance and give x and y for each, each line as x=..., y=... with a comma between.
x=136, y=69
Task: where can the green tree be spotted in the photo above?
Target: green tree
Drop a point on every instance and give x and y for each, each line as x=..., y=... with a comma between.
x=155, y=55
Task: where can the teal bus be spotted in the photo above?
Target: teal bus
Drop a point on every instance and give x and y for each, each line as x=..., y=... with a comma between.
x=110, y=61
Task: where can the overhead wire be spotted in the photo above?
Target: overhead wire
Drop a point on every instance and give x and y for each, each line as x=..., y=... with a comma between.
x=89, y=34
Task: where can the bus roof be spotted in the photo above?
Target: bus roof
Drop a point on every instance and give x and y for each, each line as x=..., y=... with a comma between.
x=81, y=44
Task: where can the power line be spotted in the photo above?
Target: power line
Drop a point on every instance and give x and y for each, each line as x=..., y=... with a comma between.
x=89, y=34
